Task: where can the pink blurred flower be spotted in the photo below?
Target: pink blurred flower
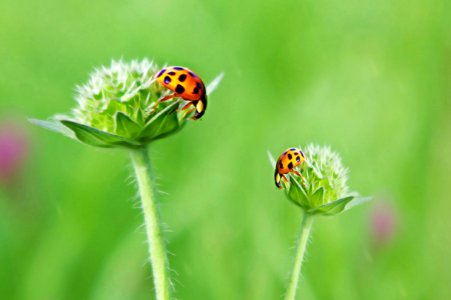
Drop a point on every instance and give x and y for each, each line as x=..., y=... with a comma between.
x=12, y=150
x=383, y=223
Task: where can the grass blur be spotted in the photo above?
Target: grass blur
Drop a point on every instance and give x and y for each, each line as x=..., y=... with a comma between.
x=371, y=79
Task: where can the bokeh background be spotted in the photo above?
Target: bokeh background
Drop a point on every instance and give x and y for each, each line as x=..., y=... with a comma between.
x=369, y=78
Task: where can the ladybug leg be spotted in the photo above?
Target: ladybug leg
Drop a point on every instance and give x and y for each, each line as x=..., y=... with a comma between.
x=185, y=106
x=300, y=175
x=187, y=112
x=193, y=117
x=166, y=98
x=284, y=178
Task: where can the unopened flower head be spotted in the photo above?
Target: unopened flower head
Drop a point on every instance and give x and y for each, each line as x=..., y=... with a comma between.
x=323, y=169
x=322, y=188
x=119, y=106
x=383, y=223
x=126, y=88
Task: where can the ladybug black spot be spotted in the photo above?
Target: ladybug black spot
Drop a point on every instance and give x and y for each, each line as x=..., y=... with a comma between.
x=182, y=77
x=172, y=73
x=290, y=165
x=293, y=149
x=302, y=153
x=161, y=72
x=290, y=156
x=298, y=158
x=281, y=164
x=196, y=90
x=178, y=68
x=192, y=74
x=179, y=89
x=167, y=80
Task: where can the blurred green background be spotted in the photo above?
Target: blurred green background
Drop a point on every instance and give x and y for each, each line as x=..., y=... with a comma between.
x=369, y=78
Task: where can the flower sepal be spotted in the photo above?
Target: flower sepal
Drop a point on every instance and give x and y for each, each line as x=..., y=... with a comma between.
x=331, y=208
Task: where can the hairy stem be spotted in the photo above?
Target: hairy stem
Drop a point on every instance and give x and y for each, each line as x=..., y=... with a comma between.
x=157, y=251
x=304, y=233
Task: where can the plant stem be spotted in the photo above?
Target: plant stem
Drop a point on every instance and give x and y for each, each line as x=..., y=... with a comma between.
x=304, y=233
x=157, y=251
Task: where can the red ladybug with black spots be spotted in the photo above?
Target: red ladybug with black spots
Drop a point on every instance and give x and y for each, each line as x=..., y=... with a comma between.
x=186, y=85
x=286, y=163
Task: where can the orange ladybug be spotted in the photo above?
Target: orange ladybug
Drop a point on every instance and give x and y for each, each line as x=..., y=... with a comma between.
x=286, y=163
x=186, y=85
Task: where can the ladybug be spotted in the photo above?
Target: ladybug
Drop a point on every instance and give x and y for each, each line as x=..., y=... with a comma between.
x=286, y=163
x=186, y=85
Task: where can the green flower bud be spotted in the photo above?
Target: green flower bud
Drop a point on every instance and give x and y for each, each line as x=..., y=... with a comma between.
x=322, y=188
x=118, y=107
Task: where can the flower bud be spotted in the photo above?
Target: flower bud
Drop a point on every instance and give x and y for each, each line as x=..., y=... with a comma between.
x=118, y=107
x=13, y=150
x=322, y=188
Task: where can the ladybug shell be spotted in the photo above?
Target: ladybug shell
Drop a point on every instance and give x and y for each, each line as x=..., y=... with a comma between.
x=184, y=82
x=289, y=159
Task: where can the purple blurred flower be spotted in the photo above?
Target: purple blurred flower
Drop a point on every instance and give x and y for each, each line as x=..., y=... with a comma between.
x=13, y=148
x=383, y=223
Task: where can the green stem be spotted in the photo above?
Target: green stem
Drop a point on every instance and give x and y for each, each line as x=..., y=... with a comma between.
x=304, y=233
x=157, y=251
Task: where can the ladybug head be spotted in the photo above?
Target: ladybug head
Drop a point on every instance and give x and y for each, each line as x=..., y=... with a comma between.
x=277, y=179
x=201, y=106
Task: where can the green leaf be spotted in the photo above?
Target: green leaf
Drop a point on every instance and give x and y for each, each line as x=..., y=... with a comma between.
x=162, y=124
x=95, y=137
x=272, y=161
x=297, y=194
x=214, y=84
x=53, y=125
x=317, y=198
x=126, y=126
x=331, y=208
x=357, y=201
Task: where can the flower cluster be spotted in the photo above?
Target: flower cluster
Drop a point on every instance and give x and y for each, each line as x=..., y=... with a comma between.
x=322, y=188
x=118, y=107
x=13, y=150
